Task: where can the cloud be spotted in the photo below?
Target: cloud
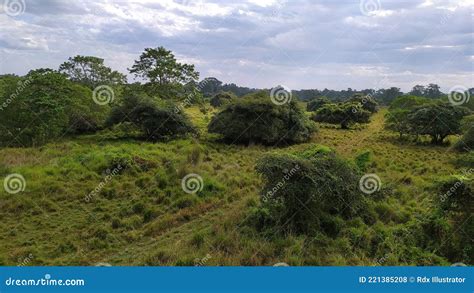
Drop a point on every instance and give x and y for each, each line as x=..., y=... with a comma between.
x=332, y=44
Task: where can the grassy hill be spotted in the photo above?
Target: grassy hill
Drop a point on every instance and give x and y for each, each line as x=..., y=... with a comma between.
x=140, y=215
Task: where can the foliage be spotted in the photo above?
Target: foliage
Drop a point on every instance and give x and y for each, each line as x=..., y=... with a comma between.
x=344, y=114
x=156, y=121
x=301, y=191
x=466, y=142
x=438, y=120
x=407, y=102
x=91, y=71
x=367, y=102
x=221, y=99
x=255, y=119
x=316, y=103
x=44, y=106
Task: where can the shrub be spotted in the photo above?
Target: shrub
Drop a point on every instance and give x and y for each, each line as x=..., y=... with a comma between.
x=302, y=190
x=221, y=99
x=44, y=105
x=366, y=102
x=316, y=103
x=256, y=119
x=466, y=142
x=156, y=122
x=344, y=114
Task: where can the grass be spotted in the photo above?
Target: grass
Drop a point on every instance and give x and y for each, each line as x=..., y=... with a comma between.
x=141, y=216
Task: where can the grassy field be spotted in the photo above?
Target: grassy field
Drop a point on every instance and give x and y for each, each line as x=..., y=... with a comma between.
x=141, y=216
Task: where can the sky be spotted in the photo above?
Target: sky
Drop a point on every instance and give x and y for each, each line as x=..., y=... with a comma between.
x=300, y=44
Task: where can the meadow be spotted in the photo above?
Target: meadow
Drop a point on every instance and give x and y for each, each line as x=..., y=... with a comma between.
x=79, y=209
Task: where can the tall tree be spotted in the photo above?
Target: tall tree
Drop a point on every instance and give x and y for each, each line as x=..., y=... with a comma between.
x=91, y=71
x=418, y=90
x=159, y=66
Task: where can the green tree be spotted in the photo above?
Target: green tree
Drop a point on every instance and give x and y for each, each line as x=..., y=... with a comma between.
x=344, y=114
x=437, y=120
x=91, y=71
x=221, y=99
x=255, y=118
x=163, y=72
x=367, y=102
x=316, y=103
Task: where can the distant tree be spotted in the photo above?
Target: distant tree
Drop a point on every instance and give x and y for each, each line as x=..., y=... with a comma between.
x=344, y=114
x=209, y=86
x=386, y=96
x=418, y=90
x=432, y=91
x=221, y=99
x=255, y=119
x=408, y=102
x=91, y=71
x=437, y=120
x=367, y=102
x=316, y=103
x=159, y=66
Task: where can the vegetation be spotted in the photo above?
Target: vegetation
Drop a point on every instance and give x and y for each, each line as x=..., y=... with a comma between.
x=107, y=183
x=316, y=104
x=255, y=119
x=221, y=99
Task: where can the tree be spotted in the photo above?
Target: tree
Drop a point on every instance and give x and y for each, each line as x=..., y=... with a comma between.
x=317, y=187
x=344, y=114
x=48, y=107
x=91, y=71
x=397, y=120
x=418, y=90
x=159, y=66
x=156, y=122
x=432, y=91
x=437, y=120
x=255, y=118
x=209, y=86
x=367, y=102
x=221, y=99
x=316, y=103
x=386, y=96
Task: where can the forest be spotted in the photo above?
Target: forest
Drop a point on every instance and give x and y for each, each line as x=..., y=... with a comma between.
x=175, y=170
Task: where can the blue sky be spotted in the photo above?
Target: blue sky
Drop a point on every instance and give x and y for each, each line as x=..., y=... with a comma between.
x=299, y=44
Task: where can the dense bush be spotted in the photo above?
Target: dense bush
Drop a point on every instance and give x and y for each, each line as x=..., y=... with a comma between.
x=344, y=114
x=256, y=119
x=316, y=103
x=44, y=105
x=367, y=102
x=303, y=190
x=156, y=121
x=221, y=99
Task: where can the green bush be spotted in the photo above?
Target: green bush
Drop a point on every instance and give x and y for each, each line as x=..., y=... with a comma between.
x=316, y=103
x=256, y=119
x=344, y=114
x=303, y=191
x=155, y=121
x=366, y=102
x=221, y=99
